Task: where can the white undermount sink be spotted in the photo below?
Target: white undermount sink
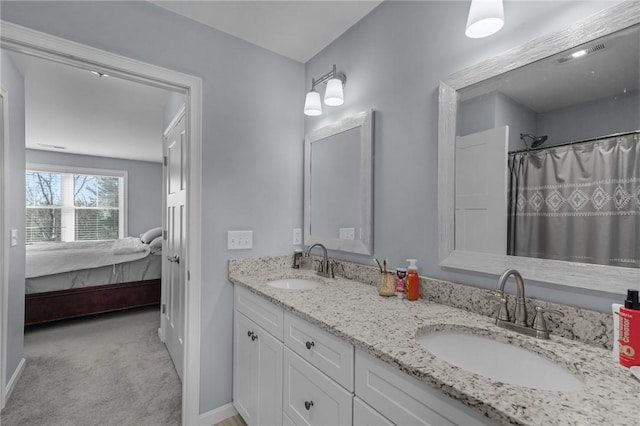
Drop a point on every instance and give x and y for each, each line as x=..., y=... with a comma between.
x=499, y=361
x=294, y=284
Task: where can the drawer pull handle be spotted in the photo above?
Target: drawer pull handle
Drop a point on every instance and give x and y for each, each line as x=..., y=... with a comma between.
x=309, y=345
x=308, y=405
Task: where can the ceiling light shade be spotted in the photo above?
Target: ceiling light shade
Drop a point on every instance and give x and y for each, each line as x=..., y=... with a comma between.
x=334, y=95
x=312, y=104
x=486, y=17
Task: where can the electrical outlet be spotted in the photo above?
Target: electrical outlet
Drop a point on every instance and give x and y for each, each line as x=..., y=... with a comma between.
x=297, y=236
x=347, y=233
x=239, y=240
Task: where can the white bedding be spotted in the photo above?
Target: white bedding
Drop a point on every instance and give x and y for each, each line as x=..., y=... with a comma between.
x=55, y=258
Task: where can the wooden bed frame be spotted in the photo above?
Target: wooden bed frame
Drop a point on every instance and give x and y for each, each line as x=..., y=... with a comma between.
x=78, y=302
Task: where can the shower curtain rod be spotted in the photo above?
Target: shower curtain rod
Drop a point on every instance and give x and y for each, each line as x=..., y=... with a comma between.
x=612, y=135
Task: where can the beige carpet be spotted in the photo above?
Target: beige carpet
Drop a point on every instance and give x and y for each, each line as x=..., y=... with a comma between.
x=110, y=369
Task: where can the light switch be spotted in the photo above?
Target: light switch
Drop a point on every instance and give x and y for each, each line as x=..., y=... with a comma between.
x=14, y=237
x=239, y=240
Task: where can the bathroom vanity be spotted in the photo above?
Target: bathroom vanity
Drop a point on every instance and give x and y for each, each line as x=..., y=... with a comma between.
x=340, y=354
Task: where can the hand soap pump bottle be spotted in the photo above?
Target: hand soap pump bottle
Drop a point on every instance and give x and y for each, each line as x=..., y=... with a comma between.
x=413, y=280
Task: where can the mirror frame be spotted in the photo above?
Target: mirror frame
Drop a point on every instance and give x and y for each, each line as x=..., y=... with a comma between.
x=365, y=244
x=572, y=274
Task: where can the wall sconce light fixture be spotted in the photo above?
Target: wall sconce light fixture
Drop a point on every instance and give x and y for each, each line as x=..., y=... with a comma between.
x=333, y=94
x=486, y=17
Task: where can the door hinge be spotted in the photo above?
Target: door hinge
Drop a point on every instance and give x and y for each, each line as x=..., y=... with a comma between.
x=164, y=308
x=188, y=275
x=165, y=160
x=165, y=234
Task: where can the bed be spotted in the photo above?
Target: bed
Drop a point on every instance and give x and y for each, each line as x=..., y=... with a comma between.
x=74, y=279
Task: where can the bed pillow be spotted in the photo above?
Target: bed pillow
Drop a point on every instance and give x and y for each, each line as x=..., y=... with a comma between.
x=156, y=245
x=151, y=235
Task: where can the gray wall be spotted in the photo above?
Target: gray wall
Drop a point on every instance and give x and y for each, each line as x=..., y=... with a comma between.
x=495, y=109
x=394, y=59
x=13, y=83
x=252, y=140
x=591, y=119
x=144, y=184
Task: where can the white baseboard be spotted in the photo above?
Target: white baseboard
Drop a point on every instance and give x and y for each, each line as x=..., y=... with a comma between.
x=161, y=335
x=11, y=384
x=217, y=415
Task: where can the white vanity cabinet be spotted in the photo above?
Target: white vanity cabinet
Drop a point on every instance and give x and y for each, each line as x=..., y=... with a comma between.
x=289, y=372
x=257, y=359
x=405, y=400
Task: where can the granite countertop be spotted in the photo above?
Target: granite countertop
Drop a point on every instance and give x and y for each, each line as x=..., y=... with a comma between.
x=387, y=329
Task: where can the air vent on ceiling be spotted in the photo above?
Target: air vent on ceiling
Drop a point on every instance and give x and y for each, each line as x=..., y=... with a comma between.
x=581, y=53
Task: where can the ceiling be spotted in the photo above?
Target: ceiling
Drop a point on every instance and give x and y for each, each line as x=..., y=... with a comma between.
x=297, y=29
x=71, y=110
x=554, y=83
x=82, y=113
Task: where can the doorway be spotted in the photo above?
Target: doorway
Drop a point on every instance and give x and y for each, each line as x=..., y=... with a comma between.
x=23, y=40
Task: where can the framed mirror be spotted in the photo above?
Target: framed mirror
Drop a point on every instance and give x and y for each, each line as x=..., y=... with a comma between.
x=338, y=185
x=533, y=68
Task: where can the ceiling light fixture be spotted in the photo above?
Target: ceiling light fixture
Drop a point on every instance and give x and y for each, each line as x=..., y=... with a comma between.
x=486, y=17
x=333, y=95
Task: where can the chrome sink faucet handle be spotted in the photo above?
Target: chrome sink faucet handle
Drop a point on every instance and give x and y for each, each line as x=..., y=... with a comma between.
x=521, y=309
x=540, y=323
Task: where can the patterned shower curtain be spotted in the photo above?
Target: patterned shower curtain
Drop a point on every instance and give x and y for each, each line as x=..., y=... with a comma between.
x=578, y=203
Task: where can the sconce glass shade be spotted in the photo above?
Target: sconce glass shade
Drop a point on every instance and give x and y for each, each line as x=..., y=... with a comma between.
x=486, y=17
x=334, y=95
x=312, y=104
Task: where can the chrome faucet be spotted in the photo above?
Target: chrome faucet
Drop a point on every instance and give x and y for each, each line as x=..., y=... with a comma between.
x=325, y=269
x=521, y=309
x=539, y=327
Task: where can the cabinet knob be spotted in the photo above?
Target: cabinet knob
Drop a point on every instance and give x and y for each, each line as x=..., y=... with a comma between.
x=249, y=333
x=308, y=405
x=309, y=345
x=254, y=337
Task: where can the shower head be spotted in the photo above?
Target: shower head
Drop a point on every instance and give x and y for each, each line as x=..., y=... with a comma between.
x=535, y=141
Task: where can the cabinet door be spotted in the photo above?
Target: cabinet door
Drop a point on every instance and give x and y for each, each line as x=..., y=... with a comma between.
x=244, y=365
x=312, y=398
x=363, y=415
x=269, y=379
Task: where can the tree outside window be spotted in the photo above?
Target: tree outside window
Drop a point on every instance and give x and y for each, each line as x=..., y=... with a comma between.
x=72, y=207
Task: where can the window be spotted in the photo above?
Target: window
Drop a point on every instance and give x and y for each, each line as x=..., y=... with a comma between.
x=67, y=204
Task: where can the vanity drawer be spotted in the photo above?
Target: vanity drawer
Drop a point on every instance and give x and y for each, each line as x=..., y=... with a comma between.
x=312, y=398
x=332, y=356
x=264, y=313
x=405, y=400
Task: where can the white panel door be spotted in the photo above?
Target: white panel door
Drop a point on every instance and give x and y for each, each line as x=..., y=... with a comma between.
x=481, y=191
x=245, y=391
x=174, y=276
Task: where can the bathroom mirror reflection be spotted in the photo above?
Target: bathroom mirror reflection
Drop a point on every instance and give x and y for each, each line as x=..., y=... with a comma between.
x=577, y=90
x=338, y=185
x=555, y=146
